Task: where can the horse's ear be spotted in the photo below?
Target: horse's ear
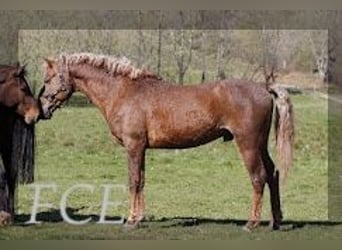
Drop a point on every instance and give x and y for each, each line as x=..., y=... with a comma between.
x=20, y=70
x=48, y=62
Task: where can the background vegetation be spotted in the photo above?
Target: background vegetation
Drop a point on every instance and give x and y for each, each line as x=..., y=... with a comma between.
x=192, y=56
x=199, y=193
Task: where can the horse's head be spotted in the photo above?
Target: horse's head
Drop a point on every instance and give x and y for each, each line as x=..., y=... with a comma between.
x=15, y=93
x=56, y=89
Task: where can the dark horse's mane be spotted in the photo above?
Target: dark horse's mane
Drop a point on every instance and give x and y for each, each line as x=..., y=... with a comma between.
x=19, y=139
x=111, y=64
x=23, y=150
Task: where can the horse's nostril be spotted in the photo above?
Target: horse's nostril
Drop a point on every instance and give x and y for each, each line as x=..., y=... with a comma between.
x=46, y=112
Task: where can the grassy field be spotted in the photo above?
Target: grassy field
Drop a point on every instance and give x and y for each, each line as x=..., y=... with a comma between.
x=199, y=193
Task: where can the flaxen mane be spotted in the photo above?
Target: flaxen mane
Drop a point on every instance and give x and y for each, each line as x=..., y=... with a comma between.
x=113, y=65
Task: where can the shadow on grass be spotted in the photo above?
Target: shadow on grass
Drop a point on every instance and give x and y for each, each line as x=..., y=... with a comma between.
x=196, y=221
x=54, y=216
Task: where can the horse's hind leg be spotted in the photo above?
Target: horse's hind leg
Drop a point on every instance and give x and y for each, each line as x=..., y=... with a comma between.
x=273, y=184
x=252, y=158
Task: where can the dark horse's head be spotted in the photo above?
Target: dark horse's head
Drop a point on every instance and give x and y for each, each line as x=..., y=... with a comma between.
x=15, y=93
x=19, y=110
x=57, y=88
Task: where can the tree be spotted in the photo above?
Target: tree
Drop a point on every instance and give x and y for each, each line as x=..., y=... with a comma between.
x=325, y=45
x=141, y=41
x=203, y=47
x=270, y=41
x=319, y=46
x=227, y=21
x=220, y=74
x=182, y=46
x=159, y=46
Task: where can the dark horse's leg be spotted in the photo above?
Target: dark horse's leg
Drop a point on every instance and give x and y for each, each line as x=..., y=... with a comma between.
x=273, y=184
x=251, y=155
x=136, y=162
x=11, y=177
x=7, y=174
x=6, y=214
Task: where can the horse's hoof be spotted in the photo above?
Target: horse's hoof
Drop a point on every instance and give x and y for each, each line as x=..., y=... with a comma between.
x=246, y=229
x=274, y=226
x=140, y=218
x=250, y=226
x=5, y=218
x=131, y=224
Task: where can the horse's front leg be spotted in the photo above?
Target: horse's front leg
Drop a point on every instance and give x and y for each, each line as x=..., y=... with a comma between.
x=6, y=200
x=5, y=216
x=136, y=162
x=140, y=196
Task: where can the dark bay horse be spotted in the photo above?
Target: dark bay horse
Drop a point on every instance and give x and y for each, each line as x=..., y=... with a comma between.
x=143, y=111
x=18, y=111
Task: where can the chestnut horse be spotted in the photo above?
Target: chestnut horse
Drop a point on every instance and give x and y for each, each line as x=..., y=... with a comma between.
x=18, y=111
x=143, y=111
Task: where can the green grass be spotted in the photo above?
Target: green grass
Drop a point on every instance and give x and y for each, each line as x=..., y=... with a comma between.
x=335, y=159
x=199, y=193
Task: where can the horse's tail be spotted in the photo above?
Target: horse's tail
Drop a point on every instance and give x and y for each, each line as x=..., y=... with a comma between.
x=284, y=129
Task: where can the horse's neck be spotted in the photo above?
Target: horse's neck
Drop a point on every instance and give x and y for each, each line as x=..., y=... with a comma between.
x=99, y=90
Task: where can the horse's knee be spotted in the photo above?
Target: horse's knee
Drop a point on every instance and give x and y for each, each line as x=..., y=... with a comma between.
x=136, y=185
x=133, y=186
x=141, y=185
x=258, y=181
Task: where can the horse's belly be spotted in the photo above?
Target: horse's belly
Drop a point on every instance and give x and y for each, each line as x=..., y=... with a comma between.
x=182, y=138
x=187, y=122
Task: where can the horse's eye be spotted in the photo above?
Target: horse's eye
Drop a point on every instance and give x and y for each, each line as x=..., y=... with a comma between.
x=49, y=98
x=23, y=88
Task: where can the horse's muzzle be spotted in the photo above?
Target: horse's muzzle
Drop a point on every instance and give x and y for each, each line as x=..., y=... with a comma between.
x=31, y=116
x=45, y=113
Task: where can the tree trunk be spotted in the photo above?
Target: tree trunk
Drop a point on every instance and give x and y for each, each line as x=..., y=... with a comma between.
x=181, y=77
x=220, y=74
x=159, y=48
x=270, y=41
x=140, y=40
x=204, y=59
x=183, y=47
